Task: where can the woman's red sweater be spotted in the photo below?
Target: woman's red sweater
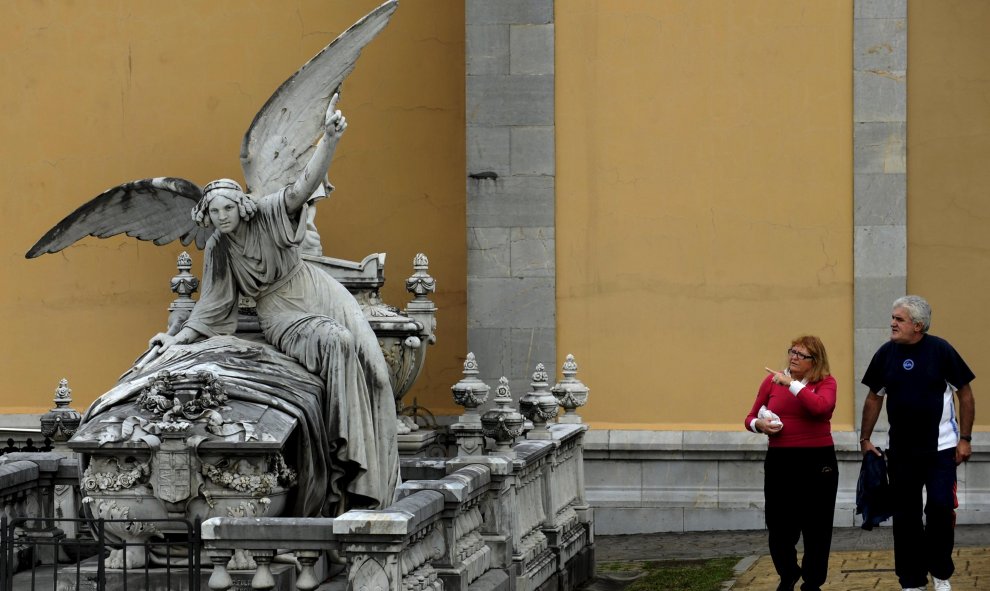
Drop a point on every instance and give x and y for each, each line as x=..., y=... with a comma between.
x=806, y=417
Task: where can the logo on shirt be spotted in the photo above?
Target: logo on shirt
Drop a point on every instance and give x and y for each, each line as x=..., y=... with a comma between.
x=908, y=364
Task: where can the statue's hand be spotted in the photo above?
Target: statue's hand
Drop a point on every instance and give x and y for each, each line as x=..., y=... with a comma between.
x=162, y=341
x=335, y=122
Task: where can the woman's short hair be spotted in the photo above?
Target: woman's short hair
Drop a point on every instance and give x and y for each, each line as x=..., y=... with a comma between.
x=819, y=358
x=229, y=189
x=918, y=309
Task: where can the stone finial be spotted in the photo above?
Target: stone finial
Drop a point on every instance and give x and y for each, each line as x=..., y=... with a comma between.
x=421, y=284
x=61, y=422
x=570, y=392
x=421, y=308
x=538, y=405
x=502, y=423
x=470, y=392
x=183, y=285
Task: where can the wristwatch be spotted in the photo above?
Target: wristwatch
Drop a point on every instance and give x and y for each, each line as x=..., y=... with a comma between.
x=968, y=438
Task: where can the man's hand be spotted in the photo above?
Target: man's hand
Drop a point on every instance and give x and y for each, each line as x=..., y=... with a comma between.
x=963, y=451
x=866, y=446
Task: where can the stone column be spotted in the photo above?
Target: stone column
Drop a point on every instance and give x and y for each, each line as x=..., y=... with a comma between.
x=880, y=176
x=510, y=185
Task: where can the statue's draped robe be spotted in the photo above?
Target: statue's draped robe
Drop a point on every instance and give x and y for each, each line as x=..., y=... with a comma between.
x=309, y=316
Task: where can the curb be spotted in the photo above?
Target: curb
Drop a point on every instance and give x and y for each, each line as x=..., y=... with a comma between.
x=740, y=567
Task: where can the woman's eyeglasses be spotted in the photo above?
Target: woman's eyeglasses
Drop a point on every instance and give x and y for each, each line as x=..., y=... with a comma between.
x=793, y=353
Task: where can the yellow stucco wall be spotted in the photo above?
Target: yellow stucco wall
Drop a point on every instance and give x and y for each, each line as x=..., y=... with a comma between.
x=101, y=92
x=949, y=175
x=704, y=201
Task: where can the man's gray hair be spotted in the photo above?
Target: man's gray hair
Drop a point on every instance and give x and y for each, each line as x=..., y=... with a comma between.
x=918, y=308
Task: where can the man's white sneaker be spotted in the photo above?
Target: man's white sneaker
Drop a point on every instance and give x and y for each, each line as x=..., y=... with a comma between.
x=942, y=584
x=913, y=588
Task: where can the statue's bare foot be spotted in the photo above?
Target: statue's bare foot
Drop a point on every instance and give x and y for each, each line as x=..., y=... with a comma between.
x=133, y=557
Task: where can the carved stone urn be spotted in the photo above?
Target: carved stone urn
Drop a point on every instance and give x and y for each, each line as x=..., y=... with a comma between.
x=502, y=423
x=61, y=422
x=539, y=405
x=470, y=392
x=570, y=392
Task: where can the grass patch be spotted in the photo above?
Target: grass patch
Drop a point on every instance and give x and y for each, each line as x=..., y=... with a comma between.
x=681, y=575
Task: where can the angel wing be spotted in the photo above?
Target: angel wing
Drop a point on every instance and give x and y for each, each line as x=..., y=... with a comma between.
x=155, y=209
x=280, y=140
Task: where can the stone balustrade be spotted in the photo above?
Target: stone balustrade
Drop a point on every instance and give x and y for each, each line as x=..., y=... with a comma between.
x=491, y=523
x=253, y=543
x=32, y=486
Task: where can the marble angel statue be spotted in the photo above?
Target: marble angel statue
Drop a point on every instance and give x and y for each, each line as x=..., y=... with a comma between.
x=319, y=356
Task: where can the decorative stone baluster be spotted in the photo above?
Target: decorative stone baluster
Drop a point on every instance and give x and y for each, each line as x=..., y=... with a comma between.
x=538, y=405
x=307, y=581
x=263, y=578
x=184, y=284
x=469, y=392
x=570, y=392
x=502, y=423
x=220, y=579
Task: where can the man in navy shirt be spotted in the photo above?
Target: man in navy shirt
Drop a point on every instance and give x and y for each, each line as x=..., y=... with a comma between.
x=918, y=374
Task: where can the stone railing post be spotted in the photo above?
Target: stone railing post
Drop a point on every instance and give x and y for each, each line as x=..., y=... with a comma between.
x=27, y=490
x=393, y=549
x=569, y=528
x=468, y=555
x=497, y=508
x=59, y=424
x=534, y=561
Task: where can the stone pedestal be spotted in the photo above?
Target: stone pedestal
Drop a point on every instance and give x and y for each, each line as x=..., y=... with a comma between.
x=424, y=443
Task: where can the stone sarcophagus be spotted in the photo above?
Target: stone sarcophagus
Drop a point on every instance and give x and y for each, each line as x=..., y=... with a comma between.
x=183, y=450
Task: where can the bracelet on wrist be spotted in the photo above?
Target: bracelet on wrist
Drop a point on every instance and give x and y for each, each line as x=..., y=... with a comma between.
x=864, y=439
x=966, y=438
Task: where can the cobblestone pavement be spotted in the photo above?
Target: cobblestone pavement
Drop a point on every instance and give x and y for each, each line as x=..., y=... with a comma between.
x=859, y=560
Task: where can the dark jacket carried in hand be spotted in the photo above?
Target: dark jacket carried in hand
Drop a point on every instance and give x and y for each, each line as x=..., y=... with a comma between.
x=873, y=491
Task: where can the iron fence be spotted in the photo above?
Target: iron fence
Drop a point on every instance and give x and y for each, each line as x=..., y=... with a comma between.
x=36, y=554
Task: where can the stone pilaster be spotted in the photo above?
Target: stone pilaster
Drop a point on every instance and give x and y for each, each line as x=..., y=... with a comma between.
x=879, y=175
x=510, y=186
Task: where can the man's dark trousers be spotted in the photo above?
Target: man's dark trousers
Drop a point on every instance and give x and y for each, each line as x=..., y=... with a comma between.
x=922, y=548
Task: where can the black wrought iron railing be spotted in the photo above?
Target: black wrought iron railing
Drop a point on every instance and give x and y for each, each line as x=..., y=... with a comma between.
x=36, y=554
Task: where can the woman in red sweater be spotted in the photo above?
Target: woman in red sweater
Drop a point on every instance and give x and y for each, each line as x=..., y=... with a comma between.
x=794, y=409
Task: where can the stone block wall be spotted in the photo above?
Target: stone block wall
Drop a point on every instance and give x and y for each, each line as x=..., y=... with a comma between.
x=671, y=481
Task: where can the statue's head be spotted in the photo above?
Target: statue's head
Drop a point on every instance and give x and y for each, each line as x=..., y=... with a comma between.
x=223, y=205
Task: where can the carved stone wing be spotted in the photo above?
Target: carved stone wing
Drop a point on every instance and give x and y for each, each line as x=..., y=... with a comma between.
x=282, y=136
x=157, y=209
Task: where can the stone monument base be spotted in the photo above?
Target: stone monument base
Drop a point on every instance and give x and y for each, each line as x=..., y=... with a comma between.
x=424, y=443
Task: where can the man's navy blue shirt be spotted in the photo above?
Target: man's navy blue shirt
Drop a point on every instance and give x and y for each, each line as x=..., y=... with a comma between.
x=915, y=380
